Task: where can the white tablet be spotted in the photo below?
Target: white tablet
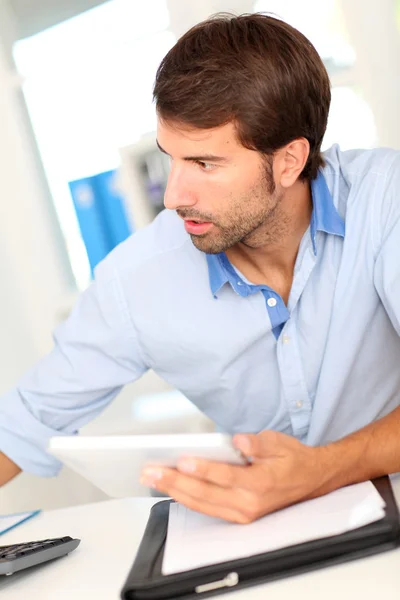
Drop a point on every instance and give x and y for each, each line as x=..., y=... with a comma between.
x=114, y=463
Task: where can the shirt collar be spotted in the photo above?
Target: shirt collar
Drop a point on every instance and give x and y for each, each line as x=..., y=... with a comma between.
x=217, y=273
x=324, y=217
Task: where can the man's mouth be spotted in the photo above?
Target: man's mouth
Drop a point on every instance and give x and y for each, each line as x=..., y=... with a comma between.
x=196, y=227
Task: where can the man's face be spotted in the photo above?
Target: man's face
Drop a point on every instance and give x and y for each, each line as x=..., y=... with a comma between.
x=224, y=192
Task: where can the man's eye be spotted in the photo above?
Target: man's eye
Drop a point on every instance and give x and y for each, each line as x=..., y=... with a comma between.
x=204, y=165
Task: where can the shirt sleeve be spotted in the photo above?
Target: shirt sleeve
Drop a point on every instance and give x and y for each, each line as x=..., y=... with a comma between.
x=96, y=352
x=387, y=263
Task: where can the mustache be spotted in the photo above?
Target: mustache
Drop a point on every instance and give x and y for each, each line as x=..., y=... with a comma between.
x=187, y=214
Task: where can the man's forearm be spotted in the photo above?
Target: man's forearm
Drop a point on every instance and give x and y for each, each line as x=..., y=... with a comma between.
x=8, y=469
x=370, y=452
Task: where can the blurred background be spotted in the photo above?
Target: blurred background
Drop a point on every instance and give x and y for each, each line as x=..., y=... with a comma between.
x=79, y=170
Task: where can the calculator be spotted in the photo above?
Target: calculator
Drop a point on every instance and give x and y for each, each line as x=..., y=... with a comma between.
x=16, y=557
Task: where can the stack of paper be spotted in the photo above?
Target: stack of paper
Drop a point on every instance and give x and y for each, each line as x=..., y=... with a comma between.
x=195, y=540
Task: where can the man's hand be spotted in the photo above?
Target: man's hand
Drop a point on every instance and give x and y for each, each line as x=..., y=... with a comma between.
x=8, y=469
x=283, y=471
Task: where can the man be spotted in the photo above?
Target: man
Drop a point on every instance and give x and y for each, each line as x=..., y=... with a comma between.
x=268, y=292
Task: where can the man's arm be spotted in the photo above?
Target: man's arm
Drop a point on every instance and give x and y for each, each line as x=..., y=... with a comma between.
x=283, y=471
x=8, y=469
x=370, y=452
x=96, y=352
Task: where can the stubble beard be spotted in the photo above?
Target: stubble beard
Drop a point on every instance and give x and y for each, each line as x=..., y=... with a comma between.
x=256, y=220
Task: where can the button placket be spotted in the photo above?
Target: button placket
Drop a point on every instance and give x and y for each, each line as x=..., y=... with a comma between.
x=293, y=380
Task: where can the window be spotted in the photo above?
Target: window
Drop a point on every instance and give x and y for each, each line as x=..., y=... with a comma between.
x=88, y=88
x=351, y=121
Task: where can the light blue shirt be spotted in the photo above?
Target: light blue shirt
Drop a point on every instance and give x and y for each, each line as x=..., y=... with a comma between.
x=319, y=368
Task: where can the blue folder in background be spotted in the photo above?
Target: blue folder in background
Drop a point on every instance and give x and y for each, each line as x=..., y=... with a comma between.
x=112, y=207
x=100, y=209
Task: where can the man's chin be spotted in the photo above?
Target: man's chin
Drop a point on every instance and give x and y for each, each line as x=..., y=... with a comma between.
x=207, y=245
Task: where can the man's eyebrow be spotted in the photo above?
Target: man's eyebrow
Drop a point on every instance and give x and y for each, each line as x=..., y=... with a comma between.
x=202, y=158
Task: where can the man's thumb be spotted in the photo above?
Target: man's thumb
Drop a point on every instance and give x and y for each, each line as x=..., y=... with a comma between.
x=259, y=445
x=246, y=443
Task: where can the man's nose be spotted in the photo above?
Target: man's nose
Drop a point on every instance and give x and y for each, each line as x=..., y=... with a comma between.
x=177, y=193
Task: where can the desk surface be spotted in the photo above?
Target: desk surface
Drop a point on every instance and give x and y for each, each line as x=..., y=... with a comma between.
x=111, y=531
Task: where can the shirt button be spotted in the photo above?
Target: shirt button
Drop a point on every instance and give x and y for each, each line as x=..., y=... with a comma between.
x=299, y=404
x=285, y=339
x=239, y=283
x=271, y=302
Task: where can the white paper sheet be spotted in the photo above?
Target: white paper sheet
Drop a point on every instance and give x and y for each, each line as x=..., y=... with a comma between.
x=195, y=540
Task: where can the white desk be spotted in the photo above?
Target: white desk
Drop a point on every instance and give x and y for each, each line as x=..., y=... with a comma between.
x=111, y=531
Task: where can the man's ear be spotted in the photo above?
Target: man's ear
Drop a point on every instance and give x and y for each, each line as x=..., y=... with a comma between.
x=290, y=161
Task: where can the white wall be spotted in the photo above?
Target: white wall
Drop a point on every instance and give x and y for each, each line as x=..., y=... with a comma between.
x=184, y=15
x=375, y=37
x=33, y=288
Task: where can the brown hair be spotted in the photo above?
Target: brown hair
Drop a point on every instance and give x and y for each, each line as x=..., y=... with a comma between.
x=254, y=70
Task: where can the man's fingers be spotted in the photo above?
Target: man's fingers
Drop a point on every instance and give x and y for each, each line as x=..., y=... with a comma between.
x=222, y=474
x=213, y=510
x=181, y=486
x=168, y=480
x=240, y=482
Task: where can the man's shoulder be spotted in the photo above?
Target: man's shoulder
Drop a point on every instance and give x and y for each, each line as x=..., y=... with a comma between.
x=365, y=188
x=353, y=165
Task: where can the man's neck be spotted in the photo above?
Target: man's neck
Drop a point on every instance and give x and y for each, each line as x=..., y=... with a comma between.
x=272, y=262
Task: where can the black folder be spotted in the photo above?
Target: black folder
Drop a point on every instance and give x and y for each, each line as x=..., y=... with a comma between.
x=146, y=581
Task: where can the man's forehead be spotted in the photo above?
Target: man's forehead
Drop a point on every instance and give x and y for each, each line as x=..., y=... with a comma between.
x=223, y=136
